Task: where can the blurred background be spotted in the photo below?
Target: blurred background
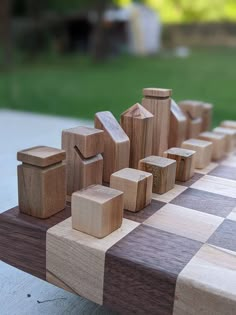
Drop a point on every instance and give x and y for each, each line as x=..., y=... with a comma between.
x=74, y=58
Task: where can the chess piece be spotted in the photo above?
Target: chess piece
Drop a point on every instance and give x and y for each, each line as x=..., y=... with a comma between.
x=230, y=135
x=193, y=112
x=218, y=141
x=185, y=162
x=136, y=185
x=203, y=151
x=97, y=210
x=178, y=126
x=41, y=181
x=117, y=145
x=157, y=101
x=163, y=171
x=83, y=146
x=228, y=124
x=206, y=116
x=137, y=122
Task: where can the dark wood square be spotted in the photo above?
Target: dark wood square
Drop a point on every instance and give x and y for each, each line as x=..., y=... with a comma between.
x=205, y=202
x=224, y=172
x=191, y=181
x=144, y=214
x=225, y=235
x=142, y=268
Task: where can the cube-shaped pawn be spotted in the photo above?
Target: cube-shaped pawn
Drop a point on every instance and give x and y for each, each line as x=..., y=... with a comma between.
x=230, y=135
x=97, y=210
x=228, y=124
x=163, y=171
x=218, y=141
x=185, y=162
x=136, y=185
x=41, y=181
x=203, y=151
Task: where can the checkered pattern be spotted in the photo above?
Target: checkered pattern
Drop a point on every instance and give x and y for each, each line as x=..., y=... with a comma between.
x=180, y=255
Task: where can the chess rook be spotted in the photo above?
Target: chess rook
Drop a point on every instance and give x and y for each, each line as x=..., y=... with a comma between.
x=163, y=171
x=136, y=185
x=178, y=126
x=185, y=162
x=116, y=144
x=137, y=122
x=97, y=210
x=41, y=181
x=158, y=102
x=203, y=151
x=84, y=162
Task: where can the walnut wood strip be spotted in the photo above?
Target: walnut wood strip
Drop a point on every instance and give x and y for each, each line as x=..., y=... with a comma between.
x=23, y=240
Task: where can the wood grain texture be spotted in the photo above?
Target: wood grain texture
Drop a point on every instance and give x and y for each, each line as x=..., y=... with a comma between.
x=136, y=186
x=185, y=162
x=185, y=222
x=163, y=171
x=77, y=259
x=207, y=285
x=81, y=171
x=23, y=240
x=116, y=144
x=230, y=135
x=207, y=113
x=178, y=126
x=144, y=214
x=216, y=185
x=89, y=141
x=97, y=210
x=138, y=283
x=157, y=92
x=228, y=124
x=205, y=202
x=41, y=156
x=160, y=108
x=218, y=142
x=203, y=151
x=224, y=171
x=41, y=191
x=193, y=109
x=137, y=122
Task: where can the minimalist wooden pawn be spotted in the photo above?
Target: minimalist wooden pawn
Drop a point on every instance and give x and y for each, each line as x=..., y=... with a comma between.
x=136, y=185
x=230, y=135
x=228, y=124
x=218, y=141
x=185, y=162
x=97, y=210
x=84, y=162
x=117, y=144
x=41, y=181
x=193, y=112
x=157, y=101
x=203, y=151
x=163, y=171
x=206, y=116
x=178, y=126
x=137, y=122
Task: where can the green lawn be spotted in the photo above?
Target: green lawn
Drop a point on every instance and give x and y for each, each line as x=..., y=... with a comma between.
x=74, y=86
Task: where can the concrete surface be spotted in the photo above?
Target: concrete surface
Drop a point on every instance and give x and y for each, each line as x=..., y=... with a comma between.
x=20, y=293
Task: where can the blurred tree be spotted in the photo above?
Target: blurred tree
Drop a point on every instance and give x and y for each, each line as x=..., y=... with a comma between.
x=5, y=33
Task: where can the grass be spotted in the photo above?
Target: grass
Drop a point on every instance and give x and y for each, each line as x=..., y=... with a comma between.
x=74, y=86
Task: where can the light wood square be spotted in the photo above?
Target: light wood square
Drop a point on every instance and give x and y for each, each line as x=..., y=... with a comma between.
x=207, y=285
x=185, y=222
x=170, y=195
x=216, y=185
x=77, y=259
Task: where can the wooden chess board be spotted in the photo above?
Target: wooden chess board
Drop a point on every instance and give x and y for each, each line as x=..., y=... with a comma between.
x=177, y=256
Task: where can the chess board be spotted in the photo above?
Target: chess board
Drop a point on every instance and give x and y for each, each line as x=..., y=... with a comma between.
x=177, y=256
